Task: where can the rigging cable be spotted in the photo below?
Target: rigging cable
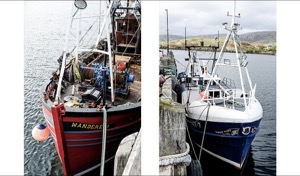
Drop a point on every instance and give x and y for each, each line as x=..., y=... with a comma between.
x=204, y=132
x=187, y=129
x=131, y=40
x=179, y=63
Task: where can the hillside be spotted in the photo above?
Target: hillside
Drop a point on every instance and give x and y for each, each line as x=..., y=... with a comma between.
x=251, y=37
x=259, y=37
x=171, y=37
x=263, y=42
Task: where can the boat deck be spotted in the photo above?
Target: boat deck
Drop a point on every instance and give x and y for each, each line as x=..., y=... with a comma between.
x=133, y=96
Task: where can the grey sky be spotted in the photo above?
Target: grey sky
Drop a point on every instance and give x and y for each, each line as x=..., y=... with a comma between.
x=206, y=17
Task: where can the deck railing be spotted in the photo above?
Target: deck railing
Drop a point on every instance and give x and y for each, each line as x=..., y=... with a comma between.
x=234, y=100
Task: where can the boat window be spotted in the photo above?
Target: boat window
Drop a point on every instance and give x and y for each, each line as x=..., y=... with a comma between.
x=200, y=82
x=215, y=94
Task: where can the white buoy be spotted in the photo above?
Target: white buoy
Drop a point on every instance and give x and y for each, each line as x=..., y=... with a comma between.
x=40, y=132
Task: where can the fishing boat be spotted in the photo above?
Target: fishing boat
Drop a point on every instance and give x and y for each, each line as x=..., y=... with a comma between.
x=223, y=114
x=93, y=100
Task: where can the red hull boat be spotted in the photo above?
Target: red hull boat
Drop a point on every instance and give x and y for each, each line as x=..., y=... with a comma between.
x=78, y=135
x=104, y=76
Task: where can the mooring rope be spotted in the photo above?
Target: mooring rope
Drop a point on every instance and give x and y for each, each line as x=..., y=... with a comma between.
x=183, y=158
x=103, y=140
x=204, y=132
x=187, y=129
x=179, y=63
x=207, y=106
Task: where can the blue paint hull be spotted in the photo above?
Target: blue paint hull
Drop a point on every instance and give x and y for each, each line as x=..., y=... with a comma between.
x=229, y=142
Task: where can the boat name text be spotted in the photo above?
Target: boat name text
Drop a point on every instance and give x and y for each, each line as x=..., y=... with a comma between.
x=88, y=126
x=229, y=132
x=78, y=126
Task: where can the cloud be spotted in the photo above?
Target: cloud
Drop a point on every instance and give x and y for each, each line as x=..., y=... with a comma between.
x=206, y=17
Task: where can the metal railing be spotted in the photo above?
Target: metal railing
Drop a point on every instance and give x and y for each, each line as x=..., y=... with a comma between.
x=225, y=100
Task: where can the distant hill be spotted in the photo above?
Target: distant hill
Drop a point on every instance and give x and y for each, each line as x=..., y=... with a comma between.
x=171, y=37
x=259, y=37
x=251, y=37
x=263, y=42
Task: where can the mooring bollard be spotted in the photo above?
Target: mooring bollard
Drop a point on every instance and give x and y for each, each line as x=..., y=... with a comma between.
x=173, y=149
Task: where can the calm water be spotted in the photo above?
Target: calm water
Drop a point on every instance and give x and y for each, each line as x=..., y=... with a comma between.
x=262, y=70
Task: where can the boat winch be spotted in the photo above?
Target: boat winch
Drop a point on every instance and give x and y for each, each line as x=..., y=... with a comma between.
x=123, y=76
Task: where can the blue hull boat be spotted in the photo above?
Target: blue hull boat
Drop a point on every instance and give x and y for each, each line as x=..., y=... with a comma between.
x=223, y=114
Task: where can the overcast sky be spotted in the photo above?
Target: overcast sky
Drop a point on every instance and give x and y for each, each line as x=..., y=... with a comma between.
x=206, y=17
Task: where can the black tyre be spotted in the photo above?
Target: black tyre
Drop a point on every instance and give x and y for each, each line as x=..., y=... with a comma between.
x=194, y=169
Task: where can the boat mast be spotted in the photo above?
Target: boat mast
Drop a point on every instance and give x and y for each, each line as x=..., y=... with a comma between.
x=77, y=46
x=78, y=36
x=234, y=31
x=63, y=66
x=167, y=32
x=108, y=52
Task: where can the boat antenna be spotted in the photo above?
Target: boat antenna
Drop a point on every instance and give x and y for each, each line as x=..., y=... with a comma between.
x=167, y=32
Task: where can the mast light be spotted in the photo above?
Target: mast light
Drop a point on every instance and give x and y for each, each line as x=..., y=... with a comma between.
x=80, y=4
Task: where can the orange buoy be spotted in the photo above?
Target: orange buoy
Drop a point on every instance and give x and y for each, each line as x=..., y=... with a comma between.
x=40, y=132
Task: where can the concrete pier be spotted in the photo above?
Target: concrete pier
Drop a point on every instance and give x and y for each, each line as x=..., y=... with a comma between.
x=173, y=149
x=128, y=156
x=167, y=88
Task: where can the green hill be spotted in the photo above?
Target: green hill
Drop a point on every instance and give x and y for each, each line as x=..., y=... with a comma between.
x=261, y=42
x=254, y=47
